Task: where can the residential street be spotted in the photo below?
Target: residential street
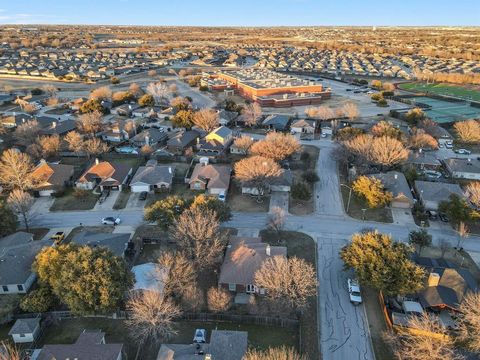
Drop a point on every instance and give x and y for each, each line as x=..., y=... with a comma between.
x=343, y=326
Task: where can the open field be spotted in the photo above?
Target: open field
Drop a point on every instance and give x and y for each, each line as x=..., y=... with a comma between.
x=444, y=89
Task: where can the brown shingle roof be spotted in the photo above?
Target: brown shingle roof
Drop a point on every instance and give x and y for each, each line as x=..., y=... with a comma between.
x=215, y=176
x=48, y=176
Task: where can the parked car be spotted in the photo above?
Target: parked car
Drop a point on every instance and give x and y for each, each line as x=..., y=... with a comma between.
x=58, y=237
x=222, y=196
x=432, y=174
x=200, y=336
x=463, y=151
x=143, y=195
x=111, y=220
x=432, y=215
x=354, y=292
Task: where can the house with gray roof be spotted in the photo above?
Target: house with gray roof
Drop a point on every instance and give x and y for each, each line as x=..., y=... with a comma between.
x=276, y=122
x=25, y=330
x=17, y=253
x=182, y=141
x=115, y=242
x=59, y=128
x=224, y=344
x=90, y=345
x=431, y=194
x=463, y=168
x=396, y=183
x=152, y=177
x=151, y=137
x=424, y=160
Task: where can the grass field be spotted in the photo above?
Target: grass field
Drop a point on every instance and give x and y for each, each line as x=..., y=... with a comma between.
x=443, y=89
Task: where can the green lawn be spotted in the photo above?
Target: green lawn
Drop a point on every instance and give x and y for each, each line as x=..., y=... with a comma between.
x=180, y=190
x=443, y=89
x=67, y=331
x=69, y=202
x=122, y=199
x=303, y=246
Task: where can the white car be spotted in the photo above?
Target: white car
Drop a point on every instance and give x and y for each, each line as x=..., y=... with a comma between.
x=222, y=196
x=200, y=336
x=463, y=151
x=354, y=292
x=111, y=221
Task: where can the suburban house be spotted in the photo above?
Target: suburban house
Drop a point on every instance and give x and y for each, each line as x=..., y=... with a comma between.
x=124, y=109
x=182, y=141
x=119, y=130
x=463, y=168
x=144, y=112
x=326, y=128
x=152, y=177
x=446, y=285
x=107, y=175
x=224, y=344
x=226, y=117
x=17, y=253
x=431, y=194
x=244, y=256
x=424, y=160
x=396, y=183
x=303, y=126
x=115, y=242
x=214, y=179
x=149, y=277
x=238, y=150
x=216, y=142
x=51, y=178
x=276, y=122
x=89, y=345
x=12, y=121
x=59, y=128
x=283, y=183
x=25, y=330
x=151, y=137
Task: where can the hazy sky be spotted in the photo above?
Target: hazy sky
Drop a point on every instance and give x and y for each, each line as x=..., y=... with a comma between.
x=242, y=12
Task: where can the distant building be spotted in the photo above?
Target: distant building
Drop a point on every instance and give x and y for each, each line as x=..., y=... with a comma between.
x=463, y=168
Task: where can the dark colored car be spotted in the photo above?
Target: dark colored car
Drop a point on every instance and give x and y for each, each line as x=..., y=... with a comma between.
x=443, y=217
x=143, y=195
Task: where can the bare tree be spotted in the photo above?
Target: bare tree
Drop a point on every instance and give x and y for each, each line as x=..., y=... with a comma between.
x=280, y=353
x=206, y=119
x=177, y=272
x=469, y=322
x=152, y=316
x=463, y=232
x=276, y=145
x=50, y=145
x=257, y=171
x=30, y=108
x=311, y=112
x=135, y=90
x=387, y=151
x=26, y=133
x=90, y=123
x=387, y=86
x=252, y=114
x=468, y=131
x=21, y=203
x=101, y=93
x=75, y=142
x=276, y=219
x=473, y=193
x=95, y=147
x=197, y=232
x=15, y=170
x=351, y=110
x=180, y=102
x=9, y=352
x=421, y=345
x=292, y=280
x=147, y=150
x=325, y=113
x=219, y=300
x=160, y=92
x=243, y=143
x=51, y=90
x=420, y=139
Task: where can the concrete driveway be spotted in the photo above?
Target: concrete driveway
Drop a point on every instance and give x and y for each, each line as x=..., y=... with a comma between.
x=134, y=202
x=108, y=203
x=279, y=199
x=402, y=216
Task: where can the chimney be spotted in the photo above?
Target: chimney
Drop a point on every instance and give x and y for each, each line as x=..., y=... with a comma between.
x=433, y=279
x=147, y=140
x=54, y=124
x=395, y=176
x=268, y=250
x=97, y=161
x=169, y=169
x=42, y=161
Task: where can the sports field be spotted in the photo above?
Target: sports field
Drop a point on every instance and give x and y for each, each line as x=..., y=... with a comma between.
x=444, y=111
x=443, y=89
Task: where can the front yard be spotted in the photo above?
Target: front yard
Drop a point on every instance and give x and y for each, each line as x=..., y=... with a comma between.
x=303, y=246
x=71, y=202
x=245, y=203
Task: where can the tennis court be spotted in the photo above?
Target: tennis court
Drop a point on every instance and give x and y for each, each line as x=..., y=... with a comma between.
x=457, y=91
x=446, y=111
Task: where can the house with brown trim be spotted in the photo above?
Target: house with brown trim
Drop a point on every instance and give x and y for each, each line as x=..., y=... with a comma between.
x=51, y=178
x=108, y=175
